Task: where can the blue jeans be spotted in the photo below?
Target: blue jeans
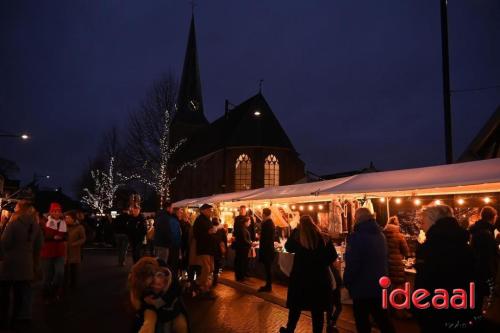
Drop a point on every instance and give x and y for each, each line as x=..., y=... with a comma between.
x=53, y=275
x=121, y=241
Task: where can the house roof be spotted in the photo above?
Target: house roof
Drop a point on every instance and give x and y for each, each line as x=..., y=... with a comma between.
x=250, y=124
x=486, y=144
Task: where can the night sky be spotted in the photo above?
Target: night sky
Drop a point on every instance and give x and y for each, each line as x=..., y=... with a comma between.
x=350, y=81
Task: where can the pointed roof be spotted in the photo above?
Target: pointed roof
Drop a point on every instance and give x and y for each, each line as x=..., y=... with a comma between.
x=486, y=144
x=250, y=124
x=190, y=100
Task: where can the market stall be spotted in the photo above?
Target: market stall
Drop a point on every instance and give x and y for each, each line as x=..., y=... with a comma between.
x=466, y=187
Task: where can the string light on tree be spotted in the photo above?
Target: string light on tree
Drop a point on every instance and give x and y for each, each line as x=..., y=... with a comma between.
x=102, y=196
x=160, y=177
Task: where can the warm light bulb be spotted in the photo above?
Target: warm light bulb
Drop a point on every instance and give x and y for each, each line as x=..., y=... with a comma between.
x=257, y=113
x=418, y=202
x=320, y=207
x=398, y=200
x=294, y=207
x=311, y=207
x=487, y=200
x=461, y=201
x=437, y=202
x=382, y=199
x=301, y=207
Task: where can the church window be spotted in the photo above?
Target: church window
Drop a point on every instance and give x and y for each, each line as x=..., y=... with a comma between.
x=243, y=173
x=271, y=171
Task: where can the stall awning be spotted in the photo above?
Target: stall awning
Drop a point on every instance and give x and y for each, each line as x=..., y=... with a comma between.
x=469, y=177
x=307, y=191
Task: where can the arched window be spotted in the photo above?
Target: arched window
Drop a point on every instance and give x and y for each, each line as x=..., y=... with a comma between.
x=243, y=173
x=271, y=171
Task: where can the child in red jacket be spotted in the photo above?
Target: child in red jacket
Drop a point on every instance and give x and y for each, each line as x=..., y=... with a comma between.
x=53, y=253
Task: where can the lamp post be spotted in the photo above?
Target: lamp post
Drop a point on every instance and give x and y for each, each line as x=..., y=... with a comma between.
x=448, y=137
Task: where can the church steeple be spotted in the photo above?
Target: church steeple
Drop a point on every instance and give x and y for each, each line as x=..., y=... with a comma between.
x=190, y=100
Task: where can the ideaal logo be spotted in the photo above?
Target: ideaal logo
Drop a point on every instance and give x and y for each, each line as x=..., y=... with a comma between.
x=440, y=298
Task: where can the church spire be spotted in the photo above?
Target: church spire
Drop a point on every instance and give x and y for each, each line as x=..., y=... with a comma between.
x=190, y=101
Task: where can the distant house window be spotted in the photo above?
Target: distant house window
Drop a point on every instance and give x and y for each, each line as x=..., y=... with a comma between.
x=243, y=173
x=271, y=171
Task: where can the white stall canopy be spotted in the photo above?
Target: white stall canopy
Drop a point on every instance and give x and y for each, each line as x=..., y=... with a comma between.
x=470, y=177
x=298, y=192
x=459, y=178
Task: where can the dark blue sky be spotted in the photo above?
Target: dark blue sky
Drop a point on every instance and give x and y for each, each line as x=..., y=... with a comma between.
x=350, y=81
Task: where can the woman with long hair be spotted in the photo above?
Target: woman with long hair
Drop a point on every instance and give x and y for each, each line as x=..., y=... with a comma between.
x=311, y=279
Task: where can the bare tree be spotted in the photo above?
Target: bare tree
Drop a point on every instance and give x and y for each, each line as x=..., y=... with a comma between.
x=150, y=149
x=102, y=194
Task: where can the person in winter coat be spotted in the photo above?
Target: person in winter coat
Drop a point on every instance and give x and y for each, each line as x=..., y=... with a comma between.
x=266, y=247
x=220, y=248
x=162, y=239
x=202, y=235
x=443, y=261
x=53, y=253
x=121, y=236
x=175, y=242
x=310, y=278
x=242, y=244
x=486, y=252
x=185, y=231
x=136, y=230
x=76, y=239
x=365, y=264
x=397, y=251
x=20, y=244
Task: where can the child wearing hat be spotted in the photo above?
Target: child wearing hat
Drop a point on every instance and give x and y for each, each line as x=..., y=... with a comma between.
x=53, y=253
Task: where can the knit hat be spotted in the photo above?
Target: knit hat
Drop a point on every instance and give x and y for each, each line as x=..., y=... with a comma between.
x=55, y=206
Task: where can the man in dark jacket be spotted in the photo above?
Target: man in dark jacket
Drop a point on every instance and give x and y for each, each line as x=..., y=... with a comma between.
x=202, y=233
x=162, y=239
x=136, y=230
x=266, y=247
x=121, y=237
x=444, y=261
x=365, y=264
x=486, y=253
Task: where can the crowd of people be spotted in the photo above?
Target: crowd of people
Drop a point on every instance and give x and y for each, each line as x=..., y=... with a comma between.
x=36, y=246
x=186, y=258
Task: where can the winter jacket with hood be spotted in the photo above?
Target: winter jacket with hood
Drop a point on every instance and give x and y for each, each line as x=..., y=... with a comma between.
x=365, y=260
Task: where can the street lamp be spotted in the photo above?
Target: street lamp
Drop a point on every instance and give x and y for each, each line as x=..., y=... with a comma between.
x=22, y=136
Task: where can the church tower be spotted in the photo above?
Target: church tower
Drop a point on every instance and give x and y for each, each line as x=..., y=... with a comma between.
x=190, y=112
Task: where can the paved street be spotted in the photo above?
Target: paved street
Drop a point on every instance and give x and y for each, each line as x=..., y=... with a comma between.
x=100, y=305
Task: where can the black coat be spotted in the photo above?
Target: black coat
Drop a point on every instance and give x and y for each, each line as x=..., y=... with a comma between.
x=266, y=245
x=444, y=261
x=241, y=234
x=136, y=229
x=201, y=233
x=485, y=249
x=163, y=234
x=310, y=284
x=120, y=223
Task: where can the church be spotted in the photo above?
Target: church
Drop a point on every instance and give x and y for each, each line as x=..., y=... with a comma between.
x=245, y=148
